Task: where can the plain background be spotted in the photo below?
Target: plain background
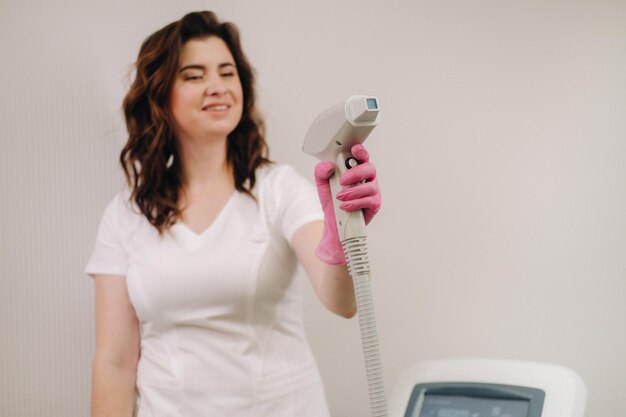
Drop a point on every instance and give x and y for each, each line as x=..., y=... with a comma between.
x=501, y=156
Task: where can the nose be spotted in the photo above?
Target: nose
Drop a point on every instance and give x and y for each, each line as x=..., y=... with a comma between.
x=216, y=87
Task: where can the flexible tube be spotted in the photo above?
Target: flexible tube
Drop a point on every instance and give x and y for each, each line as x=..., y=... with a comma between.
x=355, y=250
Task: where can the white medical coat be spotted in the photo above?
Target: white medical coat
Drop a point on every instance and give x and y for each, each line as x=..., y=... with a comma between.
x=220, y=311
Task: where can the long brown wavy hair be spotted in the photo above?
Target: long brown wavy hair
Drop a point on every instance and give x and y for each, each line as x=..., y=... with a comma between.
x=150, y=159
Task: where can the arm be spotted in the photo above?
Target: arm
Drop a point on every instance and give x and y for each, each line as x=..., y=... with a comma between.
x=317, y=244
x=117, y=350
x=332, y=283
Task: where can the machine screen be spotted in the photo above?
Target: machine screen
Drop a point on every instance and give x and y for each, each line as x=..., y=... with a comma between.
x=458, y=406
x=372, y=104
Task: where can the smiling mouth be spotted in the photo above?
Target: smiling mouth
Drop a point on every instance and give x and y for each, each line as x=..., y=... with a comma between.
x=216, y=107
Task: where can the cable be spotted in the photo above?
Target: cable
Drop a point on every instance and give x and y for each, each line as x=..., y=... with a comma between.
x=355, y=250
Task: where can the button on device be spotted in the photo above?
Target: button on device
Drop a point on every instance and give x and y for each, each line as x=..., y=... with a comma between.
x=351, y=162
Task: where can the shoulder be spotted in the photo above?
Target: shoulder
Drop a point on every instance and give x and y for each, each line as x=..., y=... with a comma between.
x=288, y=198
x=281, y=185
x=121, y=213
x=279, y=175
x=121, y=205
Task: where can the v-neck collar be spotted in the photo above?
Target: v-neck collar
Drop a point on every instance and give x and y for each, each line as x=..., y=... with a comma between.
x=191, y=240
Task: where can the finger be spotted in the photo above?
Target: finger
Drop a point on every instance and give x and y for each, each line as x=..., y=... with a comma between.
x=363, y=172
x=323, y=171
x=368, y=214
x=370, y=206
x=358, y=191
x=370, y=203
x=360, y=153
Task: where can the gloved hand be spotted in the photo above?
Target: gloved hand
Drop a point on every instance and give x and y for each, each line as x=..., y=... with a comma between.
x=364, y=196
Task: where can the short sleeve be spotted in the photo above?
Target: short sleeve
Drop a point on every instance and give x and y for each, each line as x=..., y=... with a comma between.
x=296, y=199
x=109, y=256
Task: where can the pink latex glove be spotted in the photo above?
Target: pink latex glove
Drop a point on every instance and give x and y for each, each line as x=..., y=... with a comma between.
x=364, y=196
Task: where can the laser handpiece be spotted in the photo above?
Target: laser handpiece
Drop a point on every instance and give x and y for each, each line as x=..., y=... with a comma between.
x=330, y=138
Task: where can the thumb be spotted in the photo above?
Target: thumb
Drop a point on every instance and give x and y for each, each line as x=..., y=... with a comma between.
x=323, y=171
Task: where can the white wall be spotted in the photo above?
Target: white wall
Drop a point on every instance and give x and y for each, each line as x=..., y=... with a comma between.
x=502, y=159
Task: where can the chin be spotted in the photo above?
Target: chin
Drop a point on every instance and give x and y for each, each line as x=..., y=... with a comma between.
x=222, y=131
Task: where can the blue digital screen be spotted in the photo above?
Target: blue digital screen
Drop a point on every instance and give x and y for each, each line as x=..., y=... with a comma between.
x=372, y=104
x=459, y=406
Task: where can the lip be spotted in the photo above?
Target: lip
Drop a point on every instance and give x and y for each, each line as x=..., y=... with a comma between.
x=206, y=107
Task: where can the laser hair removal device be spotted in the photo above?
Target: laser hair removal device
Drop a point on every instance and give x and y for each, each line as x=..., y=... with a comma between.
x=330, y=138
x=487, y=388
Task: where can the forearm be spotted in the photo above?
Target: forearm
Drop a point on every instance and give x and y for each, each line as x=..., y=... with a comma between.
x=113, y=390
x=337, y=291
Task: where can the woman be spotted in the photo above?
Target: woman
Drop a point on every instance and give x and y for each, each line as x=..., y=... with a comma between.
x=197, y=308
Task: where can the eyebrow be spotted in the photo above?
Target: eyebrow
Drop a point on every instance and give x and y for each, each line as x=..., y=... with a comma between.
x=202, y=67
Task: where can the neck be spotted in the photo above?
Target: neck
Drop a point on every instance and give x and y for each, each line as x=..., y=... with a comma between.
x=205, y=164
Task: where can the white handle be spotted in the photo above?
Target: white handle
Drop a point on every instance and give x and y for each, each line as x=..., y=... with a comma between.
x=349, y=224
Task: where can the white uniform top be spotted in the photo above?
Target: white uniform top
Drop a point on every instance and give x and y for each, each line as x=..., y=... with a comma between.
x=220, y=311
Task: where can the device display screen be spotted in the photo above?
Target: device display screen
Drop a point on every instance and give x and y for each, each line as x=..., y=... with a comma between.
x=372, y=104
x=458, y=406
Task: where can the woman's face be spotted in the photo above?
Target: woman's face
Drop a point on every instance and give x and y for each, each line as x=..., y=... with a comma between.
x=207, y=98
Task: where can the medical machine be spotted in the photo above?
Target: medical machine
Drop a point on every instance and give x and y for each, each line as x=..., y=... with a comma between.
x=444, y=388
x=487, y=388
x=330, y=138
